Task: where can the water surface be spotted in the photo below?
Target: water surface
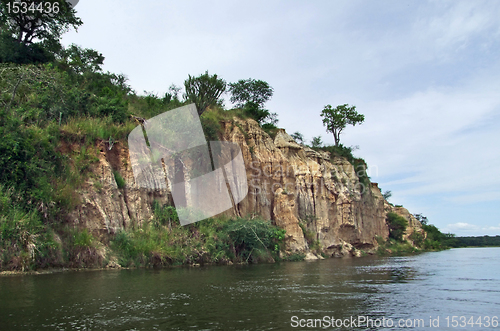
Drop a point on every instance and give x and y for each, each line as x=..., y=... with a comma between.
x=457, y=282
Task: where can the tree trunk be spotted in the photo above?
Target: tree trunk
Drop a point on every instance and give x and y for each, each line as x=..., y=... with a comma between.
x=337, y=139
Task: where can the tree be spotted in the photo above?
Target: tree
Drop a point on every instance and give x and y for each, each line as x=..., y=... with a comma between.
x=204, y=90
x=13, y=52
x=336, y=119
x=250, y=95
x=397, y=226
x=30, y=21
x=316, y=142
x=421, y=218
x=82, y=60
x=298, y=137
x=250, y=90
x=387, y=195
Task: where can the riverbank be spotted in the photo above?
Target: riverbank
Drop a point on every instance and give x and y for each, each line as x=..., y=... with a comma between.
x=386, y=249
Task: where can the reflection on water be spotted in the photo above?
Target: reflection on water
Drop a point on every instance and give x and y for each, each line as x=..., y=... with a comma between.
x=256, y=297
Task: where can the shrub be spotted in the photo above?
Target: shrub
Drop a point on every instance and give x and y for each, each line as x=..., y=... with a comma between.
x=309, y=235
x=417, y=238
x=82, y=249
x=397, y=226
x=250, y=235
x=165, y=215
x=214, y=240
x=19, y=234
x=339, y=151
x=270, y=129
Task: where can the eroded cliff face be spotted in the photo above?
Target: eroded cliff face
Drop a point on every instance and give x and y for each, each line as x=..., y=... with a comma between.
x=314, y=200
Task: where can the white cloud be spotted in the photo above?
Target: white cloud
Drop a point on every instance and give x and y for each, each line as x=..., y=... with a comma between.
x=492, y=229
x=467, y=229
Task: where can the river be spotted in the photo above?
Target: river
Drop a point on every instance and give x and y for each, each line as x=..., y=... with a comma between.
x=429, y=291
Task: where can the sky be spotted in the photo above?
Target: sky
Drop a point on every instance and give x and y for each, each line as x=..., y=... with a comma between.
x=426, y=75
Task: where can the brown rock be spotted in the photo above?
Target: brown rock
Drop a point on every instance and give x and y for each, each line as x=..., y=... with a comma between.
x=288, y=184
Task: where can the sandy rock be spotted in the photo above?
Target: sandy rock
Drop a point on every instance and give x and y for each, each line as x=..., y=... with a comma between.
x=289, y=184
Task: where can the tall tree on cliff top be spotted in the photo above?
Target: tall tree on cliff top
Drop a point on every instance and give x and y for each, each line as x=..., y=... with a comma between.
x=29, y=22
x=250, y=95
x=336, y=119
x=204, y=90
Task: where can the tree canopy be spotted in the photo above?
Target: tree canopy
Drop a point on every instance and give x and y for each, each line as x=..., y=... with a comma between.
x=204, y=90
x=81, y=60
x=30, y=22
x=336, y=119
x=250, y=90
x=250, y=95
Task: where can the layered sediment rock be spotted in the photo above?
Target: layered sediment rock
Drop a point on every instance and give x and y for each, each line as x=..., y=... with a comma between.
x=317, y=202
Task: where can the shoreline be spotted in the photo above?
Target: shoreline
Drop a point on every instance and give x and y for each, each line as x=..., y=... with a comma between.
x=7, y=273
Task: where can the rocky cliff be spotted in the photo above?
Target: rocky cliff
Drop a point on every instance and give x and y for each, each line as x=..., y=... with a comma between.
x=320, y=202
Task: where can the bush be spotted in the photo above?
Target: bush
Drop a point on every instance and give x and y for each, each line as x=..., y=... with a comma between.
x=165, y=215
x=82, y=249
x=417, y=238
x=397, y=226
x=339, y=151
x=14, y=52
x=251, y=237
x=25, y=242
x=214, y=240
x=92, y=129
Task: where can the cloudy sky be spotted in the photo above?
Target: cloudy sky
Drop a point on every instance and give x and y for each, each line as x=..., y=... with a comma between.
x=426, y=74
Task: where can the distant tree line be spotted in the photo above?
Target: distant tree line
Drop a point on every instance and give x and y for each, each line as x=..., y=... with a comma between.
x=484, y=241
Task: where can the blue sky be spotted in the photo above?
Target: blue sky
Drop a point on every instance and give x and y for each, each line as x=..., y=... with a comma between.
x=426, y=74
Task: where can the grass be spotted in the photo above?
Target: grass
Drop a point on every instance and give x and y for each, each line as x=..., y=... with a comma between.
x=163, y=242
x=393, y=247
x=26, y=242
x=92, y=129
x=120, y=182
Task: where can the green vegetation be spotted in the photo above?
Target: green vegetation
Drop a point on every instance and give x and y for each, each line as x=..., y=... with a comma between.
x=431, y=240
x=359, y=164
x=120, y=182
x=250, y=95
x=27, y=242
x=436, y=239
x=397, y=248
x=480, y=241
x=163, y=242
x=337, y=119
x=19, y=30
x=316, y=142
x=397, y=226
x=204, y=91
x=298, y=137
